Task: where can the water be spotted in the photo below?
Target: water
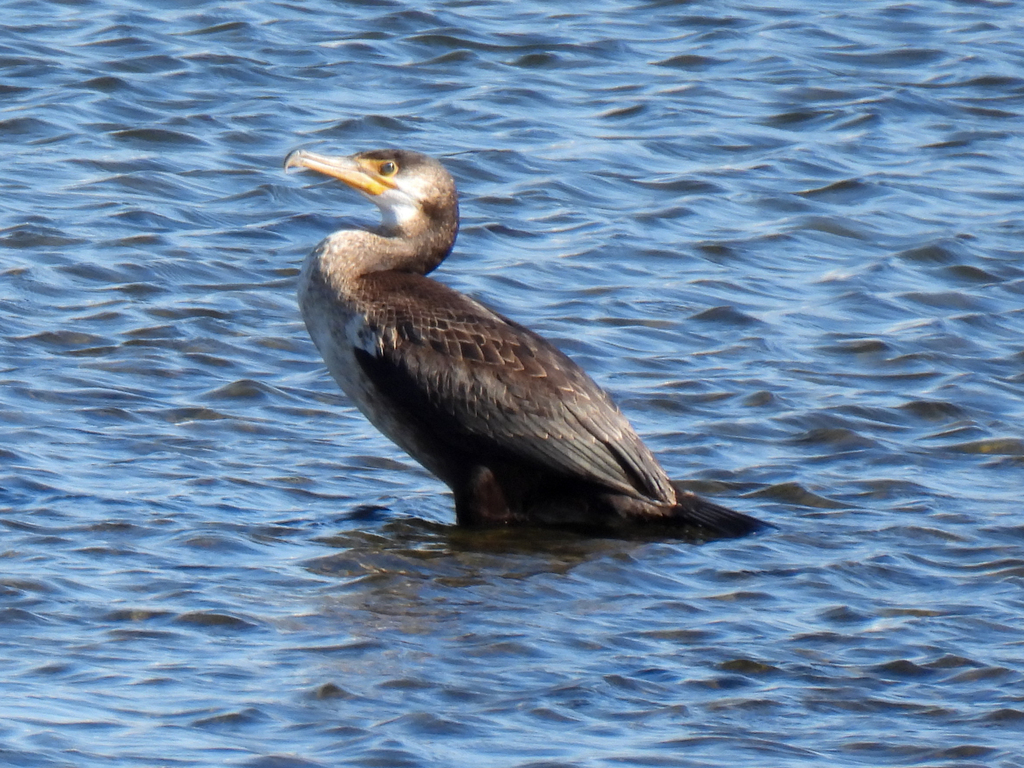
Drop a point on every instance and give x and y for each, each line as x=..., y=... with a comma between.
x=787, y=239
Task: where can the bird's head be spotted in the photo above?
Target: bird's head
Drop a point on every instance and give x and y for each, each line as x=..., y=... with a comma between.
x=408, y=187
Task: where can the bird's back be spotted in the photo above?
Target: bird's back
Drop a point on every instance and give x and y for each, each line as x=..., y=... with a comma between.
x=478, y=380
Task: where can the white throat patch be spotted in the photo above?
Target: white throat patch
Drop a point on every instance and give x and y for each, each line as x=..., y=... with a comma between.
x=401, y=204
x=395, y=213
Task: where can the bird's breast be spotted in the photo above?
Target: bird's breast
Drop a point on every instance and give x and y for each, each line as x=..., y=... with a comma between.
x=339, y=325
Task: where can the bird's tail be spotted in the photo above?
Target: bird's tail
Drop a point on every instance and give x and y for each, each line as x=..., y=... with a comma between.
x=692, y=510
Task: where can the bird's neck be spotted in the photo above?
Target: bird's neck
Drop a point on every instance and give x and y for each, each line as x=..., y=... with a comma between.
x=416, y=246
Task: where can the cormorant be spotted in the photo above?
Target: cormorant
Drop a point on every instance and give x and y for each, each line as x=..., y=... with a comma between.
x=517, y=430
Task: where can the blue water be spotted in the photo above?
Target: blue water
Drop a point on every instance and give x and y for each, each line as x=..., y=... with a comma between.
x=787, y=239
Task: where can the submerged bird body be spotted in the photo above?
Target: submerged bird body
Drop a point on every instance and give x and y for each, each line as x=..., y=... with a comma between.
x=517, y=430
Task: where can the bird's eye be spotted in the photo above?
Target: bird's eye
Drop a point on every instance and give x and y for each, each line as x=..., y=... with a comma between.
x=388, y=168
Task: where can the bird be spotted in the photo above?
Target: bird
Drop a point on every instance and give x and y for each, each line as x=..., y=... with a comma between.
x=518, y=431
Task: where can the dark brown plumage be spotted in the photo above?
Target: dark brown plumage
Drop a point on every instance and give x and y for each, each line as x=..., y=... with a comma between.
x=519, y=432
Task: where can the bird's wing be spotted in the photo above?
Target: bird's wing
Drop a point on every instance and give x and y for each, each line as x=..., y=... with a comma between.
x=480, y=381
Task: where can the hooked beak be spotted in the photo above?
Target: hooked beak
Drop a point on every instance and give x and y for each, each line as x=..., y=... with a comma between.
x=357, y=174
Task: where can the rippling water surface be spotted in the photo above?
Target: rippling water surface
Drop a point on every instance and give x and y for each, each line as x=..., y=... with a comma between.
x=788, y=239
